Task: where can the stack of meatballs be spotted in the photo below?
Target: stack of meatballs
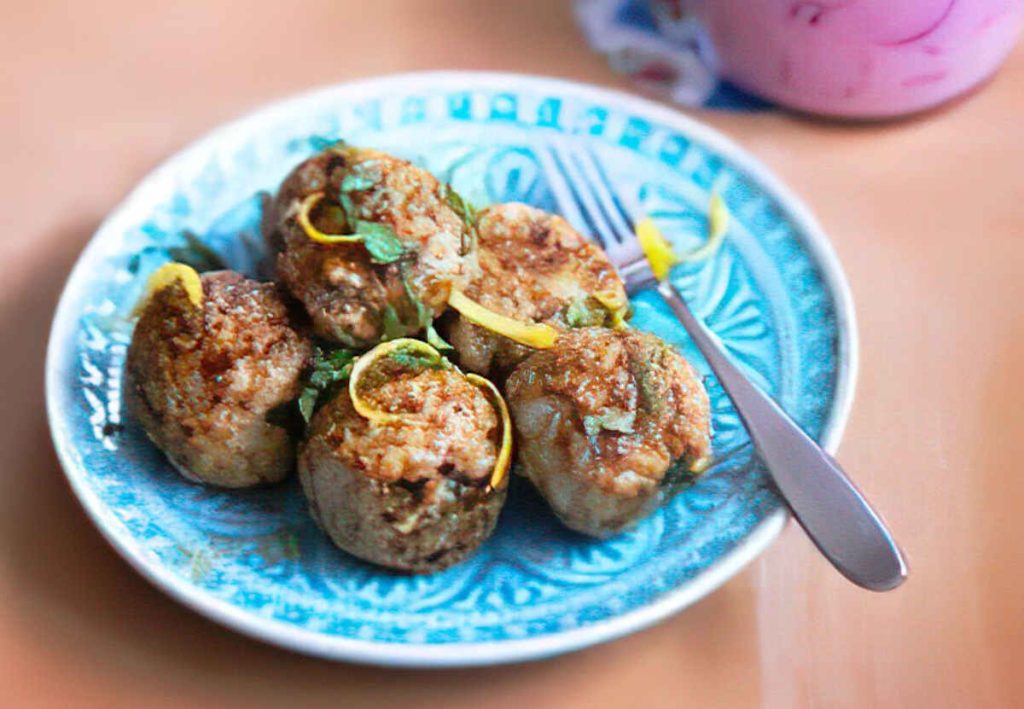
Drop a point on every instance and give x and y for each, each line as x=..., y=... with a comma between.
x=407, y=472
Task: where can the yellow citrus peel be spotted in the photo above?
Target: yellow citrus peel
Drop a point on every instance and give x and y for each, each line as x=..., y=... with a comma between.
x=718, y=225
x=504, y=459
x=305, y=221
x=363, y=364
x=656, y=248
x=616, y=305
x=405, y=344
x=659, y=251
x=169, y=274
x=539, y=336
x=701, y=464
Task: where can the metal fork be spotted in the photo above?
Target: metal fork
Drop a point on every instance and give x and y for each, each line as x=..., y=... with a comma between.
x=824, y=501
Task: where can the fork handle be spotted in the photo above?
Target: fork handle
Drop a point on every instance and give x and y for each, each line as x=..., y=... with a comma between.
x=831, y=510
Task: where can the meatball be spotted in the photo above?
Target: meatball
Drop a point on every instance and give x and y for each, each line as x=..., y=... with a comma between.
x=605, y=421
x=534, y=267
x=412, y=494
x=352, y=298
x=202, y=378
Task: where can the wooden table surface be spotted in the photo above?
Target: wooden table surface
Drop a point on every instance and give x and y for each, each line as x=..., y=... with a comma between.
x=927, y=216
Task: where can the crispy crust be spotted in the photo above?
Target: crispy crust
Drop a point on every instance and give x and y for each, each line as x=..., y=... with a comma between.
x=534, y=266
x=344, y=292
x=411, y=496
x=600, y=420
x=201, y=380
x=450, y=429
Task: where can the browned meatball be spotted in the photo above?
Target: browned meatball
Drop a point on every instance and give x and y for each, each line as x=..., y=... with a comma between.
x=202, y=378
x=535, y=267
x=601, y=418
x=345, y=292
x=414, y=494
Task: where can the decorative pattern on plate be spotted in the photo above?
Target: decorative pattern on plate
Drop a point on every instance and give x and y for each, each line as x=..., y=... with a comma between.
x=255, y=559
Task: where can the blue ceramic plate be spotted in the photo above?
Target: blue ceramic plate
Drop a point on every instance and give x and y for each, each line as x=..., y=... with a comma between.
x=255, y=561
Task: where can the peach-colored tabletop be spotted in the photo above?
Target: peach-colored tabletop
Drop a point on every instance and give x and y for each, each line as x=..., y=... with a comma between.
x=927, y=217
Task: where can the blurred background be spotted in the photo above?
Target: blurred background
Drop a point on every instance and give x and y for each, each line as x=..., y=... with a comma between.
x=926, y=214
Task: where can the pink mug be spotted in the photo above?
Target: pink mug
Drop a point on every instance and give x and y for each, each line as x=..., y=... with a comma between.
x=856, y=58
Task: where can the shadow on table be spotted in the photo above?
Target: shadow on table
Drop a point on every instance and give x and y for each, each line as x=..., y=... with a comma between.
x=76, y=603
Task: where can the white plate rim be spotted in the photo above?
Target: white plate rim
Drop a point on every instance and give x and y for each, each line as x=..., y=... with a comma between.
x=471, y=654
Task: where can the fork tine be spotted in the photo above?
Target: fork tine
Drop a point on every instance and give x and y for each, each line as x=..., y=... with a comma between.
x=627, y=256
x=624, y=252
x=617, y=216
x=561, y=191
x=586, y=200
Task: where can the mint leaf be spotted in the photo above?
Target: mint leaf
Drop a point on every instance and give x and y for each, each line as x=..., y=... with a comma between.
x=436, y=341
x=346, y=204
x=466, y=211
x=330, y=369
x=196, y=254
x=327, y=374
x=391, y=324
x=616, y=420
x=336, y=358
x=581, y=313
x=416, y=361
x=380, y=240
x=423, y=318
x=424, y=315
x=678, y=477
x=307, y=402
x=356, y=183
x=649, y=384
x=319, y=143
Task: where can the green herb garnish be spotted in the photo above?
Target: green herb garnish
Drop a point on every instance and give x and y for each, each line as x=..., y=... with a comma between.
x=345, y=200
x=330, y=370
x=425, y=318
x=356, y=183
x=307, y=403
x=424, y=315
x=436, y=341
x=391, y=323
x=616, y=420
x=394, y=326
x=466, y=212
x=196, y=254
x=582, y=313
x=380, y=240
x=319, y=143
x=678, y=477
x=649, y=387
x=416, y=361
